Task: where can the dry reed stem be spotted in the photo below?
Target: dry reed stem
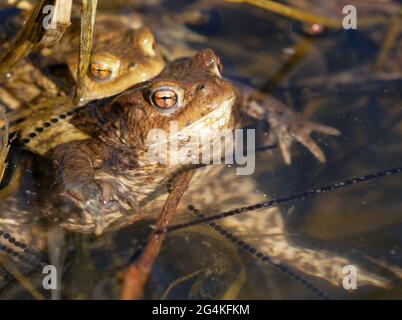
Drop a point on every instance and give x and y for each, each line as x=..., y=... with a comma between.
x=88, y=13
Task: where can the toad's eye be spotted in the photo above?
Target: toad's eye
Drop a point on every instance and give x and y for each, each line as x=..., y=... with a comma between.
x=165, y=98
x=100, y=72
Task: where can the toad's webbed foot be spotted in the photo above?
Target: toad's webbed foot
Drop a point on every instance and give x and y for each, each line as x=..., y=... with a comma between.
x=288, y=126
x=89, y=195
x=96, y=196
x=99, y=201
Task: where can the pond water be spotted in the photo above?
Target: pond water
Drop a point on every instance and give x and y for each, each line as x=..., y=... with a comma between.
x=333, y=78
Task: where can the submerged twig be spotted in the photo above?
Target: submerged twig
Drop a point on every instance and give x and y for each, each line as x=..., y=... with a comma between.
x=4, y=146
x=181, y=280
x=300, y=51
x=305, y=16
x=292, y=13
x=12, y=269
x=88, y=13
x=389, y=42
x=137, y=273
x=12, y=185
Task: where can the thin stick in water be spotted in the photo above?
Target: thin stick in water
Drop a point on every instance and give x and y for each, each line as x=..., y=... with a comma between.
x=137, y=273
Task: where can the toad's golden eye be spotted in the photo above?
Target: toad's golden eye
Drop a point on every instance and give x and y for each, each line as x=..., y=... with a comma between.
x=164, y=98
x=99, y=72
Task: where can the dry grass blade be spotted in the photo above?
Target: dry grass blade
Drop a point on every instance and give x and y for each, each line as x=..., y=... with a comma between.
x=4, y=146
x=137, y=274
x=87, y=26
x=25, y=40
x=61, y=20
x=34, y=32
x=11, y=268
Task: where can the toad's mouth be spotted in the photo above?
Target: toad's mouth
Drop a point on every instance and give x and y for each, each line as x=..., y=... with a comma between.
x=215, y=121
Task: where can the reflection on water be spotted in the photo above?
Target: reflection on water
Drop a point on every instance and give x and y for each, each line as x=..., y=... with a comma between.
x=332, y=82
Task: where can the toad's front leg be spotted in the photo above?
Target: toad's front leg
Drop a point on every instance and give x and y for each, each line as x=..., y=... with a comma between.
x=75, y=164
x=286, y=125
